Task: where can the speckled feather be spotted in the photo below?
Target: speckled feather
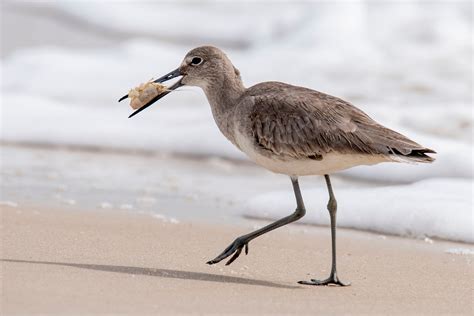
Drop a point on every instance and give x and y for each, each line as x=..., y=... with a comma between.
x=298, y=122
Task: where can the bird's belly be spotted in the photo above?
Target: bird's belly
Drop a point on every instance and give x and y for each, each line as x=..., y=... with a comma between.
x=331, y=162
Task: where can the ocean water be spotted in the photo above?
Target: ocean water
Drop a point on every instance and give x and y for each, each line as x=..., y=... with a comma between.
x=408, y=65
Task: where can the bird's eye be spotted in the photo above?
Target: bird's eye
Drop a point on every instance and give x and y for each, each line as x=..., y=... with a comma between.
x=196, y=61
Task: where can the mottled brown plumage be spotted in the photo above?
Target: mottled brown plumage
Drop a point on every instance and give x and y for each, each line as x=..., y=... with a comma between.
x=299, y=123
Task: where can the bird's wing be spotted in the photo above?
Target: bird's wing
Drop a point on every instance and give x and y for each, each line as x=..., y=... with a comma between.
x=305, y=123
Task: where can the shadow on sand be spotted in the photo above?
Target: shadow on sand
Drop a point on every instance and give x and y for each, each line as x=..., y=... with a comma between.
x=162, y=273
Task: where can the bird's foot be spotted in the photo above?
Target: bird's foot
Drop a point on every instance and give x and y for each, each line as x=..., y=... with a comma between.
x=234, y=248
x=332, y=280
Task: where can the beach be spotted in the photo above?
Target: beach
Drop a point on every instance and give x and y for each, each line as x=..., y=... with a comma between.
x=110, y=262
x=102, y=214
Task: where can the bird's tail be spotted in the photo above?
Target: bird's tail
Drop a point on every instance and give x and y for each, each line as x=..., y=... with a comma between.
x=399, y=147
x=417, y=155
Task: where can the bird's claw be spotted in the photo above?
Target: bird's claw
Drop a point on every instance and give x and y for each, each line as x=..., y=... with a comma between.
x=234, y=248
x=332, y=280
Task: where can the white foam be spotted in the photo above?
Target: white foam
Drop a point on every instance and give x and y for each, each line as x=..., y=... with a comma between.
x=106, y=205
x=460, y=251
x=8, y=203
x=165, y=219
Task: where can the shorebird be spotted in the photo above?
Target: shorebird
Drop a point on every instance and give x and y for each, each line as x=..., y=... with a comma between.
x=289, y=130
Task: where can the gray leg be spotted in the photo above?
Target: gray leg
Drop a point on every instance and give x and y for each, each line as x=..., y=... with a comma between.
x=332, y=208
x=243, y=241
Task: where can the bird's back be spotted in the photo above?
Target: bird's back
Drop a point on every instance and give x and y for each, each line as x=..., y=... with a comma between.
x=294, y=123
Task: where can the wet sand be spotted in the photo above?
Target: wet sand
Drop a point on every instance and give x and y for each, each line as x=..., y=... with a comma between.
x=96, y=262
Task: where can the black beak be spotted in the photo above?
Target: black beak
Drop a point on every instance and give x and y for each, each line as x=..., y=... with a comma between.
x=175, y=73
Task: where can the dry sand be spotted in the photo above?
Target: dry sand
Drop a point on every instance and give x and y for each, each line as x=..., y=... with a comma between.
x=84, y=262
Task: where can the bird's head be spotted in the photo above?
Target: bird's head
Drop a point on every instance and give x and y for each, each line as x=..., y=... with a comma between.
x=204, y=67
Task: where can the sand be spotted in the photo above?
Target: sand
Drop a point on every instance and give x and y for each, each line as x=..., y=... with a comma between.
x=97, y=262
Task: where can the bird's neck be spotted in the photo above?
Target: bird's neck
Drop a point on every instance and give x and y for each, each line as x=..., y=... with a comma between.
x=225, y=93
x=223, y=96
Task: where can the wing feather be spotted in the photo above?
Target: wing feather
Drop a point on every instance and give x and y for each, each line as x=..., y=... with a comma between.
x=304, y=123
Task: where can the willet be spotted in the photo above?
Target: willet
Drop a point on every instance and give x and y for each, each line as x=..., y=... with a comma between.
x=289, y=130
